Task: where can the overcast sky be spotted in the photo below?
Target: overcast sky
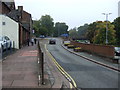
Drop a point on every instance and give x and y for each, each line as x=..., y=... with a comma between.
x=73, y=12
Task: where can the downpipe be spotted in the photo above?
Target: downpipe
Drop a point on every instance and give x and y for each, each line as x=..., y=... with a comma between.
x=1, y=53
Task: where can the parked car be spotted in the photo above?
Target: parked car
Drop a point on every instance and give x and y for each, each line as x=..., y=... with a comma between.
x=117, y=52
x=5, y=43
x=52, y=41
x=42, y=36
x=66, y=43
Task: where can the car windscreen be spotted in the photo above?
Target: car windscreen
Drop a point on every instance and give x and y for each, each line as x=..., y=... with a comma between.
x=117, y=48
x=52, y=39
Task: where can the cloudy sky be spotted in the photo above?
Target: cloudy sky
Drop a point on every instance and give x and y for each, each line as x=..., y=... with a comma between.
x=73, y=12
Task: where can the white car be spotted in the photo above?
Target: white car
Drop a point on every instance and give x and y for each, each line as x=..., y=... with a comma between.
x=5, y=43
x=117, y=53
x=66, y=42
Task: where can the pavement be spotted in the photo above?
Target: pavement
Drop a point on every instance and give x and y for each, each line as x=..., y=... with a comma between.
x=20, y=70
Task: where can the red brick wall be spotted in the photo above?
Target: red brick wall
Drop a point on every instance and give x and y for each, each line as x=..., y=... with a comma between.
x=103, y=50
x=26, y=17
x=24, y=32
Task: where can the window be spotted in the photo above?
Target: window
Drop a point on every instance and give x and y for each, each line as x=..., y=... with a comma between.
x=3, y=23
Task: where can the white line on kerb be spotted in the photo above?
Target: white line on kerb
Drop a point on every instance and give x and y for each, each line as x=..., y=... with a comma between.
x=39, y=77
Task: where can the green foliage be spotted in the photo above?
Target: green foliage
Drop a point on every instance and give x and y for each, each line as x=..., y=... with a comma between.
x=73, y=33
x=36, y=27
x=100, y=33
x=45, y=26
x=91, y=31
x=43, y=31
x=117, y=29
x=81, y=33
x=46, y=23
x=82, y=30
x=60, y=28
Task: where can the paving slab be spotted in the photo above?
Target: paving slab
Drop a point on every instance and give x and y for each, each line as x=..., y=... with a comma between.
x=21, y=69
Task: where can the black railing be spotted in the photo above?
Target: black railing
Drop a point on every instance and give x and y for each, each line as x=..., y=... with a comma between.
x=40, y=65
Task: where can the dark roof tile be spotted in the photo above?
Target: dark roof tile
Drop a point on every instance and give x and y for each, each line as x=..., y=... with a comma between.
x=14, y=14
x=11, y=5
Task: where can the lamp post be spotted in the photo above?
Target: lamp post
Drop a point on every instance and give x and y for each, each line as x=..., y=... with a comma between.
x=106, y=14
x=58, y=29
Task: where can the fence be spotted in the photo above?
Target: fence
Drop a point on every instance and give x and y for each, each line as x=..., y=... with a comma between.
x=104, y=50
x=40, y=65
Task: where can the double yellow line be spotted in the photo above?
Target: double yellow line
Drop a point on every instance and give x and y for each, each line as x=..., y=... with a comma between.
x=68, y=77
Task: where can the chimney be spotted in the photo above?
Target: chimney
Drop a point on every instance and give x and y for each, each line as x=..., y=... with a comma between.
x=12, y=6
x=20, y=8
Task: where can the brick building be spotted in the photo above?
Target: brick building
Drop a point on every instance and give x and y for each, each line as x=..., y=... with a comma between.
x=21, y=17
x=6, y=7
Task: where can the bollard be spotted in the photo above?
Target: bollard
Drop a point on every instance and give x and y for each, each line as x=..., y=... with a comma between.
x=42, y=67
x=62, y=86
x=13, y=45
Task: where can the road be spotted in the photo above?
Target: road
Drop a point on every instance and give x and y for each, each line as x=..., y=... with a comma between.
x=85, y=73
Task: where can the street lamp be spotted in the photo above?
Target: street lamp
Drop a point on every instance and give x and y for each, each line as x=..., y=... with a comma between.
x=106, y=14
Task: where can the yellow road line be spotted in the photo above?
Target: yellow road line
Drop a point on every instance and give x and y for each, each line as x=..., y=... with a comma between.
x=71, y=86
x=62, y=70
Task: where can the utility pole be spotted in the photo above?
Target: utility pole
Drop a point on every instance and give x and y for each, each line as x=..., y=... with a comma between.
x=106, y=14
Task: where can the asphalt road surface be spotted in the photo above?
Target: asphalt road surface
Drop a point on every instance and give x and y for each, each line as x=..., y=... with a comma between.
x=85, y=73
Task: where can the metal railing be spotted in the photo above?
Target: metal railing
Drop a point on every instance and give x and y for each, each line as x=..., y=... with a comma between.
x=40, y=65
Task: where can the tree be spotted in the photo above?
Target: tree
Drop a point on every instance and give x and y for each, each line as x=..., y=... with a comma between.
x=45, y=26
x=47, y=23
x=100, y=33
x=36, y=27
x=117, y=29
x=73, y=33
x=43, y=31
x=91, y=31
x=60, y=28
x=82, y=30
